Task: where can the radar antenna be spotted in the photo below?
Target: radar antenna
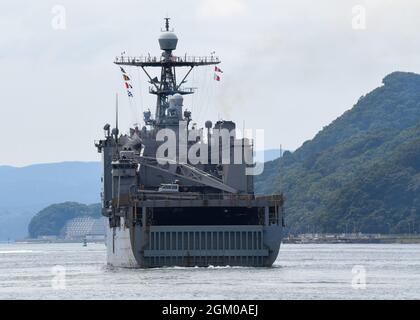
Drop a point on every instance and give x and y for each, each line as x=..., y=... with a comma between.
x=167, y=23
x=167, y=85
x=116, y=117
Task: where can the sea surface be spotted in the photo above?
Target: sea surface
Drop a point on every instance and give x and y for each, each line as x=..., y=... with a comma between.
x=308, y=271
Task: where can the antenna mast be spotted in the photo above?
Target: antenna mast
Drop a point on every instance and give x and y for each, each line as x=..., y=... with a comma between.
x=167, y=23
x=167, y=85
x=116, y=117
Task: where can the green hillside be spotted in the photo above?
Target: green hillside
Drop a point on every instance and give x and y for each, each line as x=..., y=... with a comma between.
x=361, y=173
x=53, y=218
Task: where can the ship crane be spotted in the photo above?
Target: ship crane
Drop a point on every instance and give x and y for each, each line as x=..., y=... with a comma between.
x=186, y=171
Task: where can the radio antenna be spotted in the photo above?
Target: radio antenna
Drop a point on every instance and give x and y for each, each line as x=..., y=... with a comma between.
x=116, y=117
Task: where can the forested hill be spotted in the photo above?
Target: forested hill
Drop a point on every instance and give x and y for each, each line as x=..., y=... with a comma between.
x=24, y=191
x=51, y=220
x=360, y=173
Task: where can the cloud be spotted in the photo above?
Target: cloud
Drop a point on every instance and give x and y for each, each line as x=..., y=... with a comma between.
x=221, y=8
x=290, y=67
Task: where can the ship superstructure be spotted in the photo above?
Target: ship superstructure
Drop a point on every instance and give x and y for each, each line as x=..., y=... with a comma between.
x=163, y=208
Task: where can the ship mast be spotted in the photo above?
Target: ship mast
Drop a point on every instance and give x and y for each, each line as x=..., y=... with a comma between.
x=167, y=85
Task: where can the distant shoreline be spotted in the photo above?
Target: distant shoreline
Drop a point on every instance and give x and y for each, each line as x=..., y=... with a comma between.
x=297, y=239
x=42, y=241
x=352, y=238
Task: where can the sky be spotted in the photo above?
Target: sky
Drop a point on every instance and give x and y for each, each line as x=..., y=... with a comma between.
x=289, y=67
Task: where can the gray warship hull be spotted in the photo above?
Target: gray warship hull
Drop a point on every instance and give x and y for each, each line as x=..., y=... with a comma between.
x=145, y=245
x=209, y=246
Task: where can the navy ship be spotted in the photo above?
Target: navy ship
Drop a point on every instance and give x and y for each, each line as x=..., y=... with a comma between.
x=165, y=208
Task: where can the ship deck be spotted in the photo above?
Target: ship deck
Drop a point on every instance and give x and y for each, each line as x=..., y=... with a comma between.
x=185, y=199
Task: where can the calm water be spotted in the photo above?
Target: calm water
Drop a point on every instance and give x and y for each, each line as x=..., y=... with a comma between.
x=300, y=272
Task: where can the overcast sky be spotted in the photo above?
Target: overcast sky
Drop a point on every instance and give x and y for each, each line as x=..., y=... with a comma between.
x=290, y=67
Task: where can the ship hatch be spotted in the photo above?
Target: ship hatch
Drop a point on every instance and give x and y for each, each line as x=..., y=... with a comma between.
x=207, y=216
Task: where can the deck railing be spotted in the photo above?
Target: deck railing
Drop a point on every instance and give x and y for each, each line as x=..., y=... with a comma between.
x=205, y=196
x=155, y=59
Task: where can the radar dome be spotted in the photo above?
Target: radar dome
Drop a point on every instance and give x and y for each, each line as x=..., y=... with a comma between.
x=168, y=41
x=208, y=124
x=176, y=100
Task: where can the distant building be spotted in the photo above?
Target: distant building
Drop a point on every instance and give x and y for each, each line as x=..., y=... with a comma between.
x=84, y=228
x=47, y=238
